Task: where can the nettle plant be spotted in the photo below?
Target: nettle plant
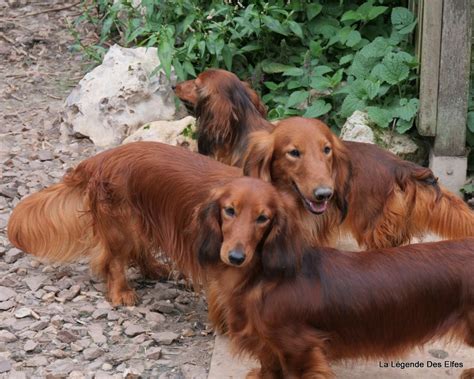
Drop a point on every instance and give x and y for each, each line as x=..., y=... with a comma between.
x=314, y=58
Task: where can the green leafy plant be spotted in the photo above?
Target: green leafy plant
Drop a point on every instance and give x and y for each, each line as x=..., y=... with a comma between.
x=323, y=58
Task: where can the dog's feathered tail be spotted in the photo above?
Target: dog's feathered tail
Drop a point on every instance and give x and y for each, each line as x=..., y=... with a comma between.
x=440, y=211
x=55, y=223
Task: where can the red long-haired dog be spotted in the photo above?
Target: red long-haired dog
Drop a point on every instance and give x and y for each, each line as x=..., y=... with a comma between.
x=122, y=205
x=359, y=188
x=227, y=110
x=296, y=309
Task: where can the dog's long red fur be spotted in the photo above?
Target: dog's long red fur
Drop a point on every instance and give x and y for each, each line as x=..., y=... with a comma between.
x=380, y=199
x=122, y=205
x=297, y=309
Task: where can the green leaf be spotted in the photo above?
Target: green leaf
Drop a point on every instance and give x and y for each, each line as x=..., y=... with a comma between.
x=470, y=121
x=378, y=48
x=165, y=52
x=468, y=188
x=320, y=83
x=375, y=12
x=402, y=126
x=361, y=65
x=353, y=38
x=337, y=77
x=293, y=84
x=346, y=59
x=312, y=10
x=178, y=68
x=351, y=16
x=401, y=18
x=317, y=109
x=380, y=116
x=351, y=104
x=296, y=28
x=274, y=25
x=188, y=67
x=293, y=71
x=227, y=56
x=274, y=67
x=315, y=48
x=271, y=86
x=393, y=69
x=407, y=109
x=371, y=88
x=297, y=98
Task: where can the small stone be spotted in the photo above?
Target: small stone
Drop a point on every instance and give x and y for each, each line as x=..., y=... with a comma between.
x=92, y=353
x=12, y=255
x=164, y=338
x=153, y=353
x=100, y=313
x=193, y=372
x=188, y=332
x=59, y=354
x=113, y=316
x=38, y=360
x=35, y=282
x=6, y=305
x=96, y=333
x=62, y=366
x=134, y=330
x=66, y=336
x=70, y=293
x=6, y=336
x=45, y=155
x=107, y=366
x=438, y=353
x=5, y=365
x=154, y=317
x=23, y=312
x=30, y=346
x=163, y=306
x=6, y=293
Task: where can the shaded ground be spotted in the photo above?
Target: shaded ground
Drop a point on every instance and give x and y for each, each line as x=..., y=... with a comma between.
x=54, y=319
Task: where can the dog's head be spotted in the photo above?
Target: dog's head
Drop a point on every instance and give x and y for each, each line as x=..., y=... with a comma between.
x=246, y=222
x=304, y=156
x=221, y=85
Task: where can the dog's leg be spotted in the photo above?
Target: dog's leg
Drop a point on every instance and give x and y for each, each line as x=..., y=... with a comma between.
x=150, y=267
x=312, y=364
x=118, y=288
x=270, y=367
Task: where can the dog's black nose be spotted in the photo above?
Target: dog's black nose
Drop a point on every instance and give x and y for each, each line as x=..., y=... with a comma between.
x=236, y=257
x=173, y=87
x=322, y=193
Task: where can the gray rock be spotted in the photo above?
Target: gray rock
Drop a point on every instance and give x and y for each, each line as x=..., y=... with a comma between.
x=163, y=306
x=6, y=293
x=6, y=305
x=193, y=372
x=30, y=345
x=154, y=317
x=134, y=330
x=5, y=365
x=153, y=353
x=92, y=353
x=438, y=353
x=6, y=336
x=70, y=293
x=164, y=338
x=12, y=255
x=113, y=316
x=66, y=336
x=45, y=155
x=96, y=333
x=62, y=366
x=100, y=313
x=23, y=312
x=36, y=361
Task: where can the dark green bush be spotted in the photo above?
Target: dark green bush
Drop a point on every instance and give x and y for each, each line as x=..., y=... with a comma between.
x=318, y=59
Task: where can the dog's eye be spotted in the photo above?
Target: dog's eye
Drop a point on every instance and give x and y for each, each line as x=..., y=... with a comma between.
x=229, y=211
x=295, y=153
x=327, y=150
x=262, y=219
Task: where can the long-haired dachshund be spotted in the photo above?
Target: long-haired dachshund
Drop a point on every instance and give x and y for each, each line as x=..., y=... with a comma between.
x=227, y=110
x=122, y=205
x=296, y=309
x=359, y=188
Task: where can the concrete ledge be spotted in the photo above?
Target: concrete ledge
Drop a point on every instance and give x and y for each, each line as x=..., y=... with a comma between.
x=225, y=366
x=451, y=171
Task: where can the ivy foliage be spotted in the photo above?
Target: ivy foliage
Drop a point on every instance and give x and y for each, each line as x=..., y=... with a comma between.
x=323, y=58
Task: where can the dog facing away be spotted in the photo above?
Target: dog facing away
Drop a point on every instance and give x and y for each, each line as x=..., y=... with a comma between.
x=296, y=309
x=380, y=199
x=123, y=204
x=227, y=110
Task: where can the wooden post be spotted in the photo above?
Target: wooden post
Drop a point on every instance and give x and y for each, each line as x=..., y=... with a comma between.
x=430, y=21
x=453, y=90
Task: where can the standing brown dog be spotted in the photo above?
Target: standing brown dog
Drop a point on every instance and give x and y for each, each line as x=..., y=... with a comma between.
x=342, y=187
x=122, y=205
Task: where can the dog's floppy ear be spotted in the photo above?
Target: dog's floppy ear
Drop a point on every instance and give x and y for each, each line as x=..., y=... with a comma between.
x=258, y=159
x=282, y=247
x=209, y=241
x=342, y=169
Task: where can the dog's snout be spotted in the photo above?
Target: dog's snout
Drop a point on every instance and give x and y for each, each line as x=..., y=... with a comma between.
x=236, y=257
x=173, y=87
x=323, y=193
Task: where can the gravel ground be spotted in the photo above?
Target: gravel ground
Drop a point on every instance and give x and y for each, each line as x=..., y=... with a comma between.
x=54, y=320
